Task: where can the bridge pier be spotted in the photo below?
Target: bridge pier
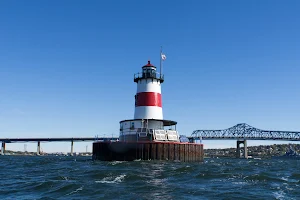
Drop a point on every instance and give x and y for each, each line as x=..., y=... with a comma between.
x=3, y=148
x=38, y=152
x=72, y=147
x=238, y=149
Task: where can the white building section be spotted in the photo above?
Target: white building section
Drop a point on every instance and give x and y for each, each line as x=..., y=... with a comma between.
x=148, y=112
x=148, y=85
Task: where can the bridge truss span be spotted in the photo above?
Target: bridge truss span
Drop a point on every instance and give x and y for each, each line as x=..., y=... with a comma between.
x=246, y=132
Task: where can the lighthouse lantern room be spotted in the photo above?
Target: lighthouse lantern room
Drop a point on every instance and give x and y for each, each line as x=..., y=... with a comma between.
x=148, y=123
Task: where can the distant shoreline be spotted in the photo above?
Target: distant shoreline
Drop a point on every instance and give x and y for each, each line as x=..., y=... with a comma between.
x=261, y=151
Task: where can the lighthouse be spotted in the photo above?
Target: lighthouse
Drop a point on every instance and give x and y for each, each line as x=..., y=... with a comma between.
x=148, y=136
x=148, y=122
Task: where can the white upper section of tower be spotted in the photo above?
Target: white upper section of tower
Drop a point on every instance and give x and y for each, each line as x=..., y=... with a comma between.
x=147, y=85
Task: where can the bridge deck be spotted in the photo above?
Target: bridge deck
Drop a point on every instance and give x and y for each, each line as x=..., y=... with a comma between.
x=237, y=132
x=9, y=140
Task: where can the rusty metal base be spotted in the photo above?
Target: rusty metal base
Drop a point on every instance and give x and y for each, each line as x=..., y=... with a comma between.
x=129, y=151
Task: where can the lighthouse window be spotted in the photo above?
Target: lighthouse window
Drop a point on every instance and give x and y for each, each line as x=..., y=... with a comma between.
x=132, y=125
x=153, y=73
x=148, y=73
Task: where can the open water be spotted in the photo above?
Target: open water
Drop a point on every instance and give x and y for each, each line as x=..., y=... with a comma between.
x=29, y=177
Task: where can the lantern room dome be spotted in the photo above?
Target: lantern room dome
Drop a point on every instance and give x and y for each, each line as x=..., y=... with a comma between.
x=149, y=65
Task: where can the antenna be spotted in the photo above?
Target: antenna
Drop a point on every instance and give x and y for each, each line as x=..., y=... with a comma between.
x=160, y=63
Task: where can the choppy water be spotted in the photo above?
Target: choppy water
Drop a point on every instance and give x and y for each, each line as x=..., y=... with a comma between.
x=80, y=178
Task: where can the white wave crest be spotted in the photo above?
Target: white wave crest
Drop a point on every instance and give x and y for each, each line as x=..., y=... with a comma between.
x=111, y=179
x=75, y=191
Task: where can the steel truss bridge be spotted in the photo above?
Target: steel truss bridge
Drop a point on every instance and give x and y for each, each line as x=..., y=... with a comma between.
x=245, y=132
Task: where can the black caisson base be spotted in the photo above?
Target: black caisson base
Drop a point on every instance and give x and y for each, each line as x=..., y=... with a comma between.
x=146, y=150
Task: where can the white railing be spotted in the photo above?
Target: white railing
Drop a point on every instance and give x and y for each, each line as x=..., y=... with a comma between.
x=158, y=134
x=172, y=135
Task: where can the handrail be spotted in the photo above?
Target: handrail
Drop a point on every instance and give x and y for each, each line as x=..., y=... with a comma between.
x=149, y=75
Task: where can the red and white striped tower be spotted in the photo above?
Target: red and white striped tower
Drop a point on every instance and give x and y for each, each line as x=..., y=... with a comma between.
x=148, y=101
x=148, y=123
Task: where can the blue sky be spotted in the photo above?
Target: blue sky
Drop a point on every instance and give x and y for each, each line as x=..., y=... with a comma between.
x=66, y=67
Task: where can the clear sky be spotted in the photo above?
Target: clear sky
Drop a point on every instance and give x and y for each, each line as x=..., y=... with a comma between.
x=66, y=67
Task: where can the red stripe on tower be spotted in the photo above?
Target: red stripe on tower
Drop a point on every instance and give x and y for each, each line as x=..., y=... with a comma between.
x=148, y=99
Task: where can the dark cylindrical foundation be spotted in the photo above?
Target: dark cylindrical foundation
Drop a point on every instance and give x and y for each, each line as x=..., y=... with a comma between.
x=129, y=151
